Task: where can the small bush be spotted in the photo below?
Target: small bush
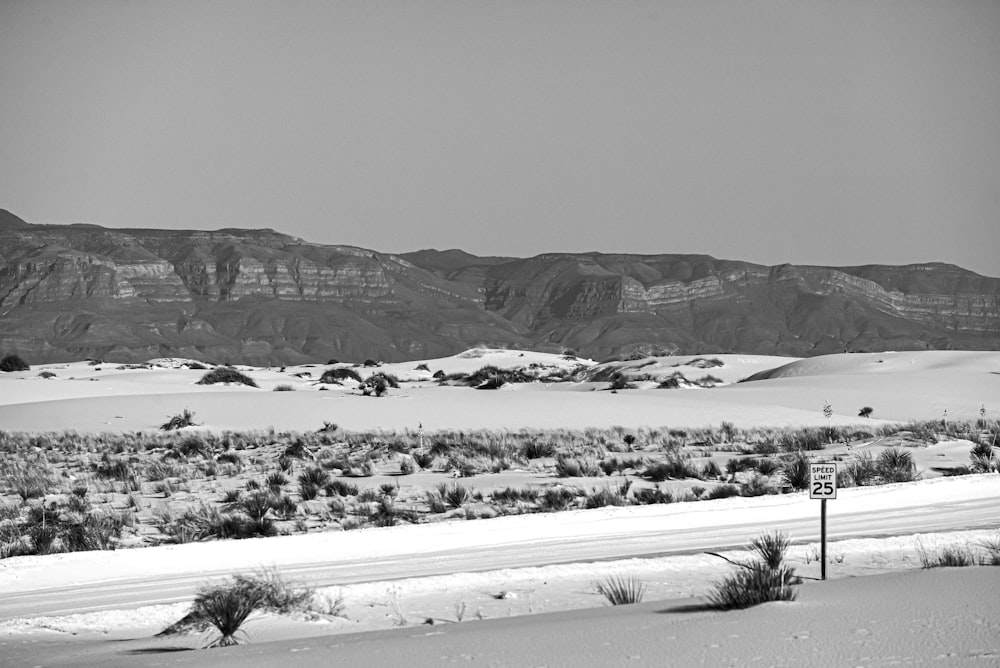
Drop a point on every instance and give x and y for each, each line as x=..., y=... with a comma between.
x=866, y=412
x=723, y=492
x=378, y=384
x=621, y=590
x=862, y=469
x=492, y=378
x=557, y=498
x=455, y=495
x=796, y=472
x=763, y=580
x=648, y=496
x=334, y=376
x=226, y=374
x=12, y=363
x=227, y=606
x=672, y=468
x=571, y=467
x=341, y=488
x=948, y=557
x=284, y=387
x=896, y=465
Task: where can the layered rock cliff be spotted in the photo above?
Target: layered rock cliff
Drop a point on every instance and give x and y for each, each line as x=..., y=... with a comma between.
x=259, y=296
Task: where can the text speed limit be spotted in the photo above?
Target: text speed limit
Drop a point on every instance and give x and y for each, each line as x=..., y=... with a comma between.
x=822, y=481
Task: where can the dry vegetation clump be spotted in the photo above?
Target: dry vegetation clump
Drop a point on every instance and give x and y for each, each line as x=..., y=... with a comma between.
x=764, y=579
x=226, y=374
x=11, y=363
x=378, y=384
x=179, y=421
x=336, y=375
x=182, y=486
x=621, y=589
x=226, y=606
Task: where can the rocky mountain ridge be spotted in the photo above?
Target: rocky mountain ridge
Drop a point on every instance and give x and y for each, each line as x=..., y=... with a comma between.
x=263, y=297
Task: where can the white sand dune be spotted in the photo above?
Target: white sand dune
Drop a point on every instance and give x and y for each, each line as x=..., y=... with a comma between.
x=904, y=386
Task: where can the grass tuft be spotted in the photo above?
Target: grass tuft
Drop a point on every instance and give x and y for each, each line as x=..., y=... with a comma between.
x=621, y=589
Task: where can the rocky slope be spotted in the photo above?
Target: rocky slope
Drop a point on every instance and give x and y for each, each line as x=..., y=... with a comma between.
x=259, y=296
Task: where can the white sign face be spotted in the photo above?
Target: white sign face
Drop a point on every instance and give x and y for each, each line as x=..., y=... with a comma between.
x=822, y=481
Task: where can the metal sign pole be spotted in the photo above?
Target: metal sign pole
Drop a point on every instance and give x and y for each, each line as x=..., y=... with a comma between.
x=822, y=531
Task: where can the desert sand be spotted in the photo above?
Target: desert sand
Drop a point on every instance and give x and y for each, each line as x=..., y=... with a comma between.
x=945, y=617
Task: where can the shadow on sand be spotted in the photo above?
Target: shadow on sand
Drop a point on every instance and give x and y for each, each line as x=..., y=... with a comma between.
x=685, y=608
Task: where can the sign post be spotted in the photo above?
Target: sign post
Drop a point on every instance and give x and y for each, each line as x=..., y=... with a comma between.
x=822, y=486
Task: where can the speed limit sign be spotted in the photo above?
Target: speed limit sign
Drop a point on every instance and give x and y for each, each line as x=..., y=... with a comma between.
x=822, y=481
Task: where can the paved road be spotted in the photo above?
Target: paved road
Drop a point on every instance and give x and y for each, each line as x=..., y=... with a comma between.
x=608, y=538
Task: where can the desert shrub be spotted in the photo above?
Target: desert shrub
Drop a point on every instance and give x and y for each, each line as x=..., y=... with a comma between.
x=862, y=469
x=672, y=382
x=12, y=363
x=341, y=488
x=947, y=557
x=376, y=385
x=619, y=382
x=621, y=590
x=896, y=465
x=572, y=467
x=308, y=490
x=511, y=495
x=536, y=448
x=866, y=412
x=762, y=580
x=421, y=367
x=275, y=481
x=284, y=387
x=796, y=472
x=755, y=486
x=671, y=468
x=43, y=538
x=257, y=504
x=230, y=457
x=407, y=466
x=114, y=468
x=435, y=503
x=614, y=465
x=314, y=476
x=557, y=498
x=723, y=492
x=227, y=607
x=46, y=374
x=647, y=496
x=981, y=459
x=183, y=419
x=193, y=446
x=28, y=481
x=607, y=497
x=455, y=495
x=92, y=532
x=991, y=546
x=491, y=377
x=226, y=374
x=711, y=470
x=334, y=376
x=766, y=466
x=284, y=507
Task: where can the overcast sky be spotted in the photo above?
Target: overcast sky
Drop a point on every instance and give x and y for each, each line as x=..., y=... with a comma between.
x=841, y=132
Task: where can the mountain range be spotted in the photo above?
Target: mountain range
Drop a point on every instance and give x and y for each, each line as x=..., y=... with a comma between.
x=258, y=296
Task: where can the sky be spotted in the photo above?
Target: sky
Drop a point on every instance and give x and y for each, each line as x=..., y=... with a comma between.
x=840, y=133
